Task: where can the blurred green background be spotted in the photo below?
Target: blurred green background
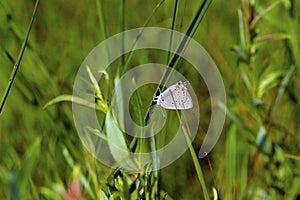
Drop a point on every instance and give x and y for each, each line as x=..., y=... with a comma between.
x=255, y=44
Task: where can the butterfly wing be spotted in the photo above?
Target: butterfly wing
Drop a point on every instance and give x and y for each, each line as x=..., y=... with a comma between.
x=176, y=97
x=188, y=102
x=165, y=100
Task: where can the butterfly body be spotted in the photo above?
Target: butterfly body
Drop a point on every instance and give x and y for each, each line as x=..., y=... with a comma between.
x=175, y=97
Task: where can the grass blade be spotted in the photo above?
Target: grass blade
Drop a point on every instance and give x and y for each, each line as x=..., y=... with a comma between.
x=80, y=101
x=269, y=82
x=231, y=157
x=24, y=175
x=19, y=59
x=189, y=33
x=130, y=55
x=283, y=85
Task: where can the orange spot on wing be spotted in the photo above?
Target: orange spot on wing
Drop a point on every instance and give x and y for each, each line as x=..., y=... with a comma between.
x=183, y=91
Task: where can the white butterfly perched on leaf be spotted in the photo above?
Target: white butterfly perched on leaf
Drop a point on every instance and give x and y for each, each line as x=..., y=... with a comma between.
x=175, y=97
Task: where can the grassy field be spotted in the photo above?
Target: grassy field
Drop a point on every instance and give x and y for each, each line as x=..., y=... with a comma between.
x=255, y=45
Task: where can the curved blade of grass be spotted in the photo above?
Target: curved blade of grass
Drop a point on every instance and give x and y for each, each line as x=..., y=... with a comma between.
x=95, y=84
x=19, y=59
x=268, y=82
x=68, y=157
x=80, y=101
x=258, y=17
x=273, y=36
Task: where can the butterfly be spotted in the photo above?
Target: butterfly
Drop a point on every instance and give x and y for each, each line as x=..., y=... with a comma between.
x=175, y=97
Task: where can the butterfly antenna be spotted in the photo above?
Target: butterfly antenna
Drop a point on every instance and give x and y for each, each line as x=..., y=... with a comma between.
x=155, y=98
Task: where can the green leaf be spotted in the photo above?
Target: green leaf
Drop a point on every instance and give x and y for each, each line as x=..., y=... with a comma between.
x=119, y=101
x=24, y=175
x=259, y=16
x=50, y=193
x=117, y=143
x=231, y=151
x=283, y=85
x=242, y=29
x=87, y=186
x=269, y=82
x=241, y=53
x=246, y=79
x=274, y=36
x=103, y=195
x=68, y=157
x=95, y=83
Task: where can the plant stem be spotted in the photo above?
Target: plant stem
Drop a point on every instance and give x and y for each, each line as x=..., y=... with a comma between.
x=19, y=59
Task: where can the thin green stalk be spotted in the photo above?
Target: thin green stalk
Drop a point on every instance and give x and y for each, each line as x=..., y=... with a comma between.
x=102, y=26
x=156, y=165
x=195, y=159
x=175, y=59
x=189, y=33
x=19, y=59
x=123, y=17
x=258, y=17
x=101, y=19
x=282, y=88
x=186, y=133
x=126, y=64
x=173, y=27
x=198, y=168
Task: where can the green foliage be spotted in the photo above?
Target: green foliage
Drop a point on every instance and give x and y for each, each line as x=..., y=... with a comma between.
x=255, y=45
